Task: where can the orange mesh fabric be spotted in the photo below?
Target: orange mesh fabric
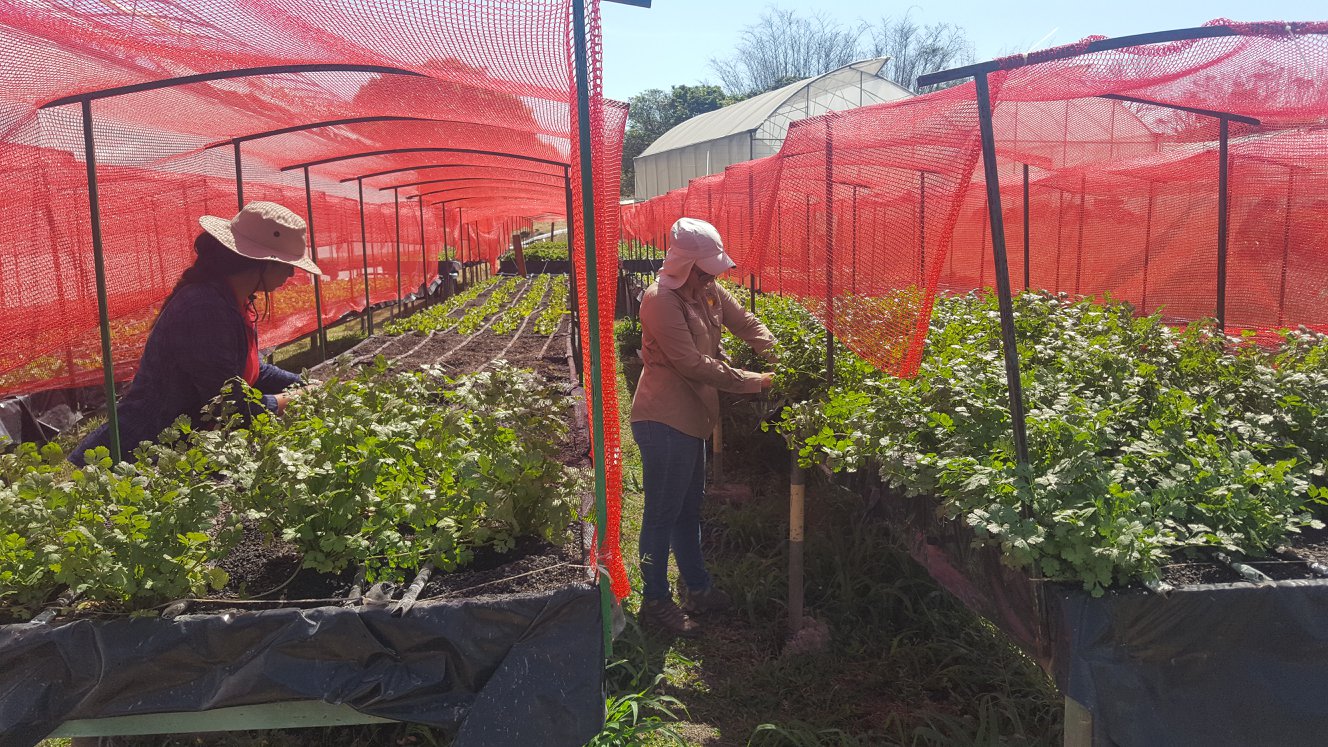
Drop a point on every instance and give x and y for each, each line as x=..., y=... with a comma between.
x=481, y=100
x=864, y=214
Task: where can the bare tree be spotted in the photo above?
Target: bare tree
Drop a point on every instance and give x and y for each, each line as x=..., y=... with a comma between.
x=783, y=47
x=915, y=49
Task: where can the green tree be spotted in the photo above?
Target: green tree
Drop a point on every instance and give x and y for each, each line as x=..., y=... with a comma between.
x=655, y=112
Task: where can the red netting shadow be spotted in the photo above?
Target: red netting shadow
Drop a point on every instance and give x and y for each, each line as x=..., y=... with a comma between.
x=480, y=90
x=866, y=214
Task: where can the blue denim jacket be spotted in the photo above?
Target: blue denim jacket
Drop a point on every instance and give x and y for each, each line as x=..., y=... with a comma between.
x=199, y=342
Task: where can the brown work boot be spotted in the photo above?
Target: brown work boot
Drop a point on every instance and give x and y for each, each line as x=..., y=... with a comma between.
x=702, y=602
x=666, y=617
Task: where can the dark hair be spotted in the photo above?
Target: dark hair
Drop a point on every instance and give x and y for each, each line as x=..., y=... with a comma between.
x=214, y=262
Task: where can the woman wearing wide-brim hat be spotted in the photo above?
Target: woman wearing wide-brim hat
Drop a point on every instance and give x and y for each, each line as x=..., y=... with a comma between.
x=207, y=331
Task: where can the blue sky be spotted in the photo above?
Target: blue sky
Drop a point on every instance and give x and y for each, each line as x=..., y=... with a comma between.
x=673, y=42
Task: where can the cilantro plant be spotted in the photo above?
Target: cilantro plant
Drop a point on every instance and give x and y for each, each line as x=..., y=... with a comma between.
x=1144, y=440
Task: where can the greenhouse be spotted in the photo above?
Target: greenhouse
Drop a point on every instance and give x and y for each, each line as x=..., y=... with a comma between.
x=1039, y=457
x=756, y=128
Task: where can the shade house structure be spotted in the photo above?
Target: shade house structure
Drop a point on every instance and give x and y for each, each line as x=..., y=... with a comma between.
x=755, y=128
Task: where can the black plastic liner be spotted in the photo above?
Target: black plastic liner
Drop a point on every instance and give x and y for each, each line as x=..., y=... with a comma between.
x=1220, y=664
x=515, y=670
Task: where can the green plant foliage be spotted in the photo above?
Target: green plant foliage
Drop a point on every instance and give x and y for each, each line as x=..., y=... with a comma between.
x=540, y=251
x=516, y=314
x=108, y=532
x=383, y=470
x=439, y=316
x=627, y=333
x=552, y=317
x=1144, y=440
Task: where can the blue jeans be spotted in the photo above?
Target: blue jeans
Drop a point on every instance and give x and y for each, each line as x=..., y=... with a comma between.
x=673, y=476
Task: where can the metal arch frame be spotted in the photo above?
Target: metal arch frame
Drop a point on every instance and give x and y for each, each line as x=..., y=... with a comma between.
x=979, y=73
x=477, y=186
x=248, y=72
x=429, y=149
x=425, y=167
x=462, y=179
x=84, y=100
x=1076, y=50
x=318, y=125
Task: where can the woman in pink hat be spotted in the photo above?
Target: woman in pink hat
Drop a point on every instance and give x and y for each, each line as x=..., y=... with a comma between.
x=207, y=331
x=676, y=407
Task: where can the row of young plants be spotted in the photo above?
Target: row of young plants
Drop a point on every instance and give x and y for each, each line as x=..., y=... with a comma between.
x=1145, y=441
x=512, y=319
x=551, y=318
x=382, y=471
x=439, y=316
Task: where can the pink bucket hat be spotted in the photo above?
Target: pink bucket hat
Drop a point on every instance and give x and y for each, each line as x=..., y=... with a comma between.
x=693, y=241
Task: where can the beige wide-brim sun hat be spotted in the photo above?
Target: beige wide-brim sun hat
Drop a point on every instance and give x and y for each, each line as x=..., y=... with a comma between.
x=264, y=230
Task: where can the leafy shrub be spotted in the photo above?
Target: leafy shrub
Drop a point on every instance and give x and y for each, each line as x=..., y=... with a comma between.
x=1144, y=440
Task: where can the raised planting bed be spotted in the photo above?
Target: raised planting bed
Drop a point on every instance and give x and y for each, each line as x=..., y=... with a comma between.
x=1157, y=555
x=401, y=545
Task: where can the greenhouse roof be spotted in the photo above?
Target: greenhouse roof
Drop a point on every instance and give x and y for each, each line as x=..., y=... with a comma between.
x=748, y=115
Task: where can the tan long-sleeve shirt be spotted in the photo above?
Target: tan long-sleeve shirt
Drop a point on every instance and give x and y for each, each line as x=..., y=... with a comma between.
x=684, y=368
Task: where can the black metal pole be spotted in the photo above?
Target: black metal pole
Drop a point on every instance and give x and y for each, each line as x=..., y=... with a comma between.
x=364, y=253
x=1286, y=249
x=99, y=268
x=318, y=282
x=1223, y=129
x=922, y=228
x=1079, y=248
x=854, y=271
x=424, y=261
x=1148, y=246
x=571, y=278
x=1002, y=270
x=446, y=257
x=239, y=175
x=1026, y=224
x=396, y=218
x=829, y=252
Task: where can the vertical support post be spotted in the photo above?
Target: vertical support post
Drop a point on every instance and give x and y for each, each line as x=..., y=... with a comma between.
x=779, y=243
x=797, y=499
x=396, y=220
x=751, y=295
x=829, y=251
x=854, y=271
x=1286, y=248
x=1002, y=270
x=1079, y=249
x=424, y=260
x=1223, y=129
x=1027, y=274
x=592, y=305
x=1148, y=245
x=445, y=233
x=99, y=268
x=318, y=280
x=364, y=254
x=573, y=292
x=239, y=175
x=922, y=228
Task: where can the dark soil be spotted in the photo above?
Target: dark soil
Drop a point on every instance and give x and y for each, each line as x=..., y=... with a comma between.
x=534, y=565
x=1191, y=573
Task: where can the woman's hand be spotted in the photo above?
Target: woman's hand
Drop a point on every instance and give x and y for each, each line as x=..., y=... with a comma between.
x=767, y=381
